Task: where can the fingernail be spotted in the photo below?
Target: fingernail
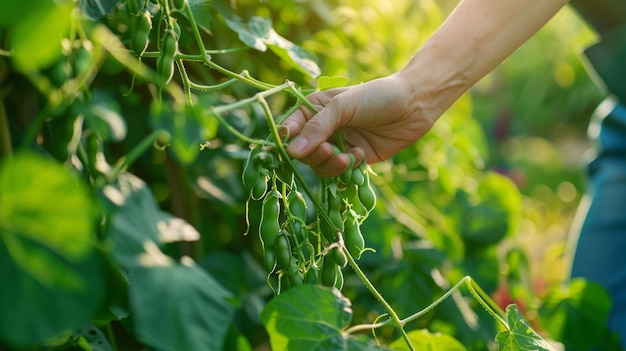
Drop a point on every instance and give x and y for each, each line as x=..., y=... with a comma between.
x=283, y=131
x=298, y=145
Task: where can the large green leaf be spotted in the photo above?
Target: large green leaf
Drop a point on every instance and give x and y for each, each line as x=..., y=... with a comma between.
x=52, y=277
x=258, y=33
x=102, y=113
x=309, y=317
x=42, y=206
x=576, y=315
x=137, y=222
x=520, y=335
x=36, y=38
x=423, y=340
x=178, y=306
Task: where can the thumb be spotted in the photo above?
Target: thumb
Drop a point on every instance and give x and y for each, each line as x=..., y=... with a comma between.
x=316, y=131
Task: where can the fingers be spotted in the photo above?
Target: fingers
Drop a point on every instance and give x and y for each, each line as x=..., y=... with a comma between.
x=335, y=164
x=314, y=132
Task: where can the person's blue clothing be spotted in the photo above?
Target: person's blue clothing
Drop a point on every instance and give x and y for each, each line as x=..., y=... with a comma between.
x=600, y=249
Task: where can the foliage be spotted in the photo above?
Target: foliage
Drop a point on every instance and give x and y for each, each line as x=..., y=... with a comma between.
x=125, y=127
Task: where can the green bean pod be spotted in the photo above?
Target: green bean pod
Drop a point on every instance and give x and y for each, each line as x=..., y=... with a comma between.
x=367, y=196
x=165, y=61
x=269, y=227
x=283, y=252
x=141, y=37
x=352, y=237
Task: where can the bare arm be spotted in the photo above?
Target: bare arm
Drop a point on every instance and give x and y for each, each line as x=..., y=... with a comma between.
x=383, y=116
x=475, y=39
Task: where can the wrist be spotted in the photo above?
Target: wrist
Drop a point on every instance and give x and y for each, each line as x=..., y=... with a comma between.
x=435, y=81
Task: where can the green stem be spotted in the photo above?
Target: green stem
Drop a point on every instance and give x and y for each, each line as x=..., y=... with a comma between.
x=235, y=132
x=194, y=57
x=111, y=336
x=487, y=303
x=437, y=302
x=212, y=87
x=291, y=218
x=394, y=316
x=301, y=97
x=480, y=296
x=5, y=134
x=186, y=82
x=207, y=60
x=287, y=158
x=256, y=98
x=135, y=153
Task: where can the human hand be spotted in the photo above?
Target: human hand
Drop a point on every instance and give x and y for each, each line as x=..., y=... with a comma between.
x=377, y=119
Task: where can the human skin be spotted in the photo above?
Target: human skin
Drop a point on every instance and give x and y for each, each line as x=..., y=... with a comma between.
x=383, y=116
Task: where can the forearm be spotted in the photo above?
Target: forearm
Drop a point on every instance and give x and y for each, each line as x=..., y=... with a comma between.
x=475, y=39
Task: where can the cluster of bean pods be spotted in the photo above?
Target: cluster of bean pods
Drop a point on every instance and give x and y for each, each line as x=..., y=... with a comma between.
x=300, y=244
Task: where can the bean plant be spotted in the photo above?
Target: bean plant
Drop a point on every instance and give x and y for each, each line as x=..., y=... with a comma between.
x=147, y=200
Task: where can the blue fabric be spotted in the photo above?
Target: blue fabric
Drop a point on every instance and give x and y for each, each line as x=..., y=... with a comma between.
x=600, y=254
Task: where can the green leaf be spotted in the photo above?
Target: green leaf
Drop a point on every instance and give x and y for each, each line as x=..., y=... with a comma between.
x=258, y=33
x=178, y=306
x=36, y=38
x=95, y=338
x=42, y=206
x=201, y=10
x=576, y=314
x=137, y=222
x=102, y=114
x=307, y=317
x=423, y=340
x=95, y=9
x=54, y=278
x=326, y=82
x=520, y=335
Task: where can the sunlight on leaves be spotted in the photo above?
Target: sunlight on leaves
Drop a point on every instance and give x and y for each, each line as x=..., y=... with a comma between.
x=326, y=82
x=36, y=39
x=259, y=34
x=43, y=205
x=576, y=314
x=520, y=335
x=137, y=222
x=308, y=317
x=179, y=307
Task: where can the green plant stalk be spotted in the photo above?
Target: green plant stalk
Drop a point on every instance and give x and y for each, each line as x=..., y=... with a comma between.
x=111, y=337
x=301, y=97
x=487, y=303
x=5, y=134
x=474, y=289
x=207, y=59
x=195, y=57
x=235, y=132
x=368, y=284
x=281, y=149
x=253, y=99
x=219, y=86
x=217, y=111
x=186, y=81
x=290, y=218
x=135, y=153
